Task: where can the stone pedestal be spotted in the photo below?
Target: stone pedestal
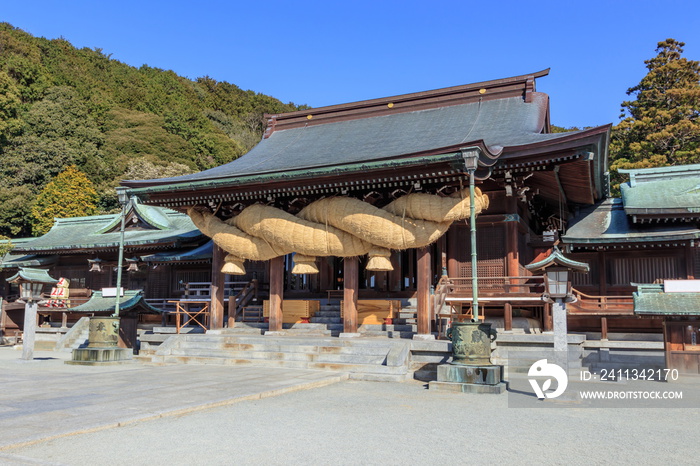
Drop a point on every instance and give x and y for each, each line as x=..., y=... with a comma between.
x=561, y=347
x=29, y=334
x=100, y=356
x=469, y=379
x=102, y=345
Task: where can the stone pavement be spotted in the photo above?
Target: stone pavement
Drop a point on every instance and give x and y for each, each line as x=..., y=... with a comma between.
x=45, y=398
x=351, y=422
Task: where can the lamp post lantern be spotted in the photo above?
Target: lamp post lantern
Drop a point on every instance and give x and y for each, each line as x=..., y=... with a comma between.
x=31, y=283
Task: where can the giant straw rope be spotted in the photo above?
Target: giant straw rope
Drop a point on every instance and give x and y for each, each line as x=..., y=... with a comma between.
x=335, y=226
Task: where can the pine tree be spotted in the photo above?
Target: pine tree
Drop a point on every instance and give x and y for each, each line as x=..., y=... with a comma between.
x=70, y=194
x=661, y=126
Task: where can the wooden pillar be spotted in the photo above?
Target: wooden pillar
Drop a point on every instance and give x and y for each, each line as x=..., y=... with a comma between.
x=452, y=248
x=395, y=277
x=350, y=290
x=276, y=293
x=217, y=289
x=547, y=318
x=603, y=328
x=507, y=317
x=512, y=258
x=442, y=249
x=689, y=262
x=423, y=283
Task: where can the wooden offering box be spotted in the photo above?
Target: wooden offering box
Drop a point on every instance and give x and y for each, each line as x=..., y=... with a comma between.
x=375, y=311
x=294, y=312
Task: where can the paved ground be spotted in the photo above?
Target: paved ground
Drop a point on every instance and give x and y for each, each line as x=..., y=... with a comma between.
x=189, y=416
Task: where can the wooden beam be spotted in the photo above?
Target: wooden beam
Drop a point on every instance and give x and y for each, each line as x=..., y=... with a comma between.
x=350, y=290
x=217, y=289
x=423, y=282
x=276, y=293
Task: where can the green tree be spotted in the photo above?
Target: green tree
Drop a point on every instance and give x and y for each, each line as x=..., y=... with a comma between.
x=661, y=126
x=15, y=210
x=5, y=245
x=70, y=194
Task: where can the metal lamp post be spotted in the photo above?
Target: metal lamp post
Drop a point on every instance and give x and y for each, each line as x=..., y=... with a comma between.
x=104, y=331
x=471, y=163
x=31, y=283
x=124, y=201
x=103, y=339
x=471, y=341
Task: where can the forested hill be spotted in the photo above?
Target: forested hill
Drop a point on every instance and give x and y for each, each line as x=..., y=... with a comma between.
x=63, y=106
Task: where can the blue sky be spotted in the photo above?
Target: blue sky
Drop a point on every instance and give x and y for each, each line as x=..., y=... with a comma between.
x=327, y=52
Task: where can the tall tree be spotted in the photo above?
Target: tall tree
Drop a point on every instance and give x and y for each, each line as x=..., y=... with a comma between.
x=70, y=194
x=661, y=126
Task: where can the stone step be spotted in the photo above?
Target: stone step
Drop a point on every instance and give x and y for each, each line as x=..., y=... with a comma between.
x=388, y=328
x=387, y=334
x=328, y=313
x=289, y=342
x=281, y=346
x=309, y=356
x=326, y=320
x=355, y=371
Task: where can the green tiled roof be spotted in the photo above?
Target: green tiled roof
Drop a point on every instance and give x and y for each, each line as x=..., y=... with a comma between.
x=32, y=275
x=164, y=226
x=651, y=300
x=673, y=190
x=608, y=223
x=556, y=258
x=130, y=300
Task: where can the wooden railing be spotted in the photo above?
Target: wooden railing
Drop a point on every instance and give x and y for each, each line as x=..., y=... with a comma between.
x=197, y=290
x=241, y=299
x=493, y=286
x=600, y=305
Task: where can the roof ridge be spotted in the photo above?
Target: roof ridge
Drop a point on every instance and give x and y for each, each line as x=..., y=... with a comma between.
x=517, y=86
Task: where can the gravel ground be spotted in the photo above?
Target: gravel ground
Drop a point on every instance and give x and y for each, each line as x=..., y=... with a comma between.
x=387, y=423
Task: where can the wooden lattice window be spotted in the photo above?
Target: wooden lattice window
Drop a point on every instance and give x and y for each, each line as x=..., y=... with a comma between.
x=627, y=270
x=491, y=253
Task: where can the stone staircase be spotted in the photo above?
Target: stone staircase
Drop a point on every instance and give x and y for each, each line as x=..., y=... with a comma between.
x=360, y=358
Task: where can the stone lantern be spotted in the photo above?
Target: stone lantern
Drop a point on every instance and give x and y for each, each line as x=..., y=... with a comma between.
x=557, y=270
x=31, y=285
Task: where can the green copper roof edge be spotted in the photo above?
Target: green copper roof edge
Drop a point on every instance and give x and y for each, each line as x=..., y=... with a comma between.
x=312, y=172
x=627, y=239
x=104, y=245
x=660, y=170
